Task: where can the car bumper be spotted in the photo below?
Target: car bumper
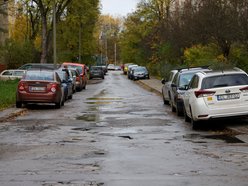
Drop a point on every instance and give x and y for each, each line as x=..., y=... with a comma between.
x=202, y=112
x=38, y=98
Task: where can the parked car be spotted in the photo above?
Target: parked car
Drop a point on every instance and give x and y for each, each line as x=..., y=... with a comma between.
x=82, y=69
x=11, y=74
x=96, y=72
x=129, y=69
x=40, y=86
x=39, y=66
x=78, y=79
x=111, y=67
x=139, y=72
x=66, y=82
x=104, y=68
x=216, y=94
x=73, y=77
x=125, y=67
x=178, y=87
x=166, y=88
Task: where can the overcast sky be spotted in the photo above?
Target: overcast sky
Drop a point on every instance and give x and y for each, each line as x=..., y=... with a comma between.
x=118, y=7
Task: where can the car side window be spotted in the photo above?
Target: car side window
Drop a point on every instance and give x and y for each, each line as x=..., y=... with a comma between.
x=194, y=82
x=174, y=81
x=171, y=76
x=7, y=73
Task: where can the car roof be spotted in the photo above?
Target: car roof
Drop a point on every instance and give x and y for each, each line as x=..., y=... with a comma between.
x=223, y=72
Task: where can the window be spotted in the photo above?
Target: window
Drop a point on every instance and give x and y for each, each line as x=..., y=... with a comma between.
x=194, y=82
x=224, y=81
x=7, y=73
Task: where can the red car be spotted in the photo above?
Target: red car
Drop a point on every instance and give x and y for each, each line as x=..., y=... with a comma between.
x=82, y=69
x=40, y=86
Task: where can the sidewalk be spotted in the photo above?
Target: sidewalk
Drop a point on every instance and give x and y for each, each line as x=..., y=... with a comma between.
x=10, y=113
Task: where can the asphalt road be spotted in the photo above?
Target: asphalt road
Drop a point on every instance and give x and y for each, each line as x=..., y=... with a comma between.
x=117, y=133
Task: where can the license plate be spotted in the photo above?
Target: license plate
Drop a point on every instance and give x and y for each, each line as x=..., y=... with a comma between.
x=228, y=97
x=37, y=89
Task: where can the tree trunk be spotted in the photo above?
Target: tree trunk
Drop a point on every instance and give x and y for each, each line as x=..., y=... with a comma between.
x=43, y=58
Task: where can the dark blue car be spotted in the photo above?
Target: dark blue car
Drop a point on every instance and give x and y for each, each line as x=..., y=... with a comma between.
x=66, y=82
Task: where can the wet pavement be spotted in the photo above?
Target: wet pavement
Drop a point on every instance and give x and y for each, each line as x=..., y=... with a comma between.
x=118, y=133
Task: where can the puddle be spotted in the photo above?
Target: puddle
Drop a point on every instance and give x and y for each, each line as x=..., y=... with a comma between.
x=88, y=117
x=224, y=137
x=99, y=103
x=103, y=99
x=127, y=137
x=81, y=129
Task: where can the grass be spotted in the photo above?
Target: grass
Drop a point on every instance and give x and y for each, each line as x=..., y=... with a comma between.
x=7, y=93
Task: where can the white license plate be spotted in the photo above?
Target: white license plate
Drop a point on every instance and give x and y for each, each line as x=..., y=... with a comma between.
x=228, y=97
x=37, y=89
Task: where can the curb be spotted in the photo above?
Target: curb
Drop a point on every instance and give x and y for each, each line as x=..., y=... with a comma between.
x=11, y=113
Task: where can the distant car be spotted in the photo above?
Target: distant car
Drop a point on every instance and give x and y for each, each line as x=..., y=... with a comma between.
x=216, y=94
x=139, y=72
x=82, y=69
x=66, y=82
x=40, y=86
x=104, y=68
x=125, y=67
x=117, y=67
x=39, y=66
x=129, y=69
x=96, y=72
x=76, y=75
x=11, y=74
x=111, y=67
x=73, y=77
x=166, y=88
x=178, y=87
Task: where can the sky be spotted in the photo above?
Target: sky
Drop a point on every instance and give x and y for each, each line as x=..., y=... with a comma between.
x=118, y=7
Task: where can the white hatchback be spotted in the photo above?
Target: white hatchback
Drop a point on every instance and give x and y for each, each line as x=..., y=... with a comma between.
x=12, y=74
x=216, y=94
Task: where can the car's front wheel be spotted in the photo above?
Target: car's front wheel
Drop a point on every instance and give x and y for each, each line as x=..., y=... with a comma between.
x=18, y=104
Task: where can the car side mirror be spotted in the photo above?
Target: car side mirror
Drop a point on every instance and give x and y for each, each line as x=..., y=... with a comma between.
x=163, y=81
x=173, y=85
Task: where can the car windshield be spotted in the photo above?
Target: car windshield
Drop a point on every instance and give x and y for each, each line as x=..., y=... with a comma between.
x=77, y=67
x=185, y=79
x=39, y=75
x=138, y=69
x=224, y=81
x=96, y=68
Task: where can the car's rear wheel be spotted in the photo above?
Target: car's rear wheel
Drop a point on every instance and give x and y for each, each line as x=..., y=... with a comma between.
x=18, y=104
x=186, y=117
x=178, y=111
x=195, y=124
x=58, y=105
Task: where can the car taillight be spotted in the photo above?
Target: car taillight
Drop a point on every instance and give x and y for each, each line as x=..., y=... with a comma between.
x=21, y=86
x=244, y=90
x=203, y=93
x=52, y=87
